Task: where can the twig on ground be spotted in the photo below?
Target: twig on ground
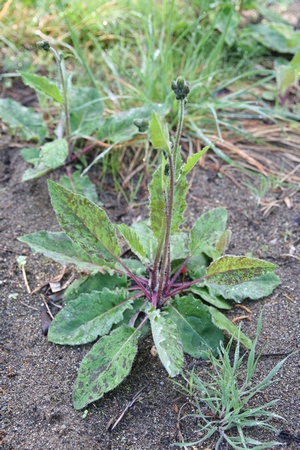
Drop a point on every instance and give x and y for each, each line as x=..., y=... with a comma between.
x=28, y=306
x=47, y=307
x=25, y=279
x=128, y=405
x=236, y=319
x=243, y=307
x=289, y=298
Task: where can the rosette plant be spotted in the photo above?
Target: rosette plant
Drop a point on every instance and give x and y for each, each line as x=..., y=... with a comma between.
x=173, y=280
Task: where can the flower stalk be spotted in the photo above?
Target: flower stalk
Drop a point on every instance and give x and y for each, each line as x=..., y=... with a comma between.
x=44, y=45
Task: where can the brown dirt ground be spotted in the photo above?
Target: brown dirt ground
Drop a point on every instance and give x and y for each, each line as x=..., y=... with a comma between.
x=37, y=376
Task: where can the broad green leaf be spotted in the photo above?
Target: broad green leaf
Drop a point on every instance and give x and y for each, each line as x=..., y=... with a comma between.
x=89, y=316
x=86, y=109
x=29, y=123
x=192, y=160
x=106, y=365
x=167, y=341
x=147, y=239
x=30, y=155
x=52, y=155
x=209, y=297
x=207, y=230
x=95, y=282
x=196, y=266
x=80, y=185
x=254, y=289
x=37, y=171
x=85, y=223
x=231, y=270
x=159, y=133
x=133, y=240
x=42, y=85
x=120, y=128
x=179, y=246
x=225, y=324
x=278, y=36
x=157, y=203
x=62, y=249
x=197, y=332
x=288, y=75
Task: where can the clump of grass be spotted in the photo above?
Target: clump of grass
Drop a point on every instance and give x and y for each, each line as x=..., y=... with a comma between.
x=223, y=402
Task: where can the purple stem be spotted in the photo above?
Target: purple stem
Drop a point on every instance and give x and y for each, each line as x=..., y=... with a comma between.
x=186, y=285
x=178, y=273
x=135, y=278
x=81, y=152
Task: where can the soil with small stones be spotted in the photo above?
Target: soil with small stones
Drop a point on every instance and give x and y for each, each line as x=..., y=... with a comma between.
x=37, y=376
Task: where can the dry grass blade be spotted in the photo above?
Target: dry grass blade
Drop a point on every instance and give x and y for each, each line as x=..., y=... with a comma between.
x=282, y=142
x=226, y=145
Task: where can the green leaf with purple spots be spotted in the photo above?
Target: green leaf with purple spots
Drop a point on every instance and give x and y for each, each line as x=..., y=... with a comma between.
x=167, y=341
x=254, y=289
x=89, y=316
x=62, y=249
x=85, y=223
x=232, y=270
x=105, y=366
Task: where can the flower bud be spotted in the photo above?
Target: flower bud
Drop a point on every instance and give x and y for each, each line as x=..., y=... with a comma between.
x=180, y=82
x=44, y=45
x=181, y=88
x=141, y=124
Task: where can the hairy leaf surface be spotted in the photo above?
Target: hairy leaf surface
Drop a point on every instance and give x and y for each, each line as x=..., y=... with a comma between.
x=89, y=316
x=133, y=240
x=95, y=282
x=197, y=332
x=42, y=85
x=62, y=249
x=85, y=223
x=254, y=289
x=106, y=365
x=52, y=155
x=146, y=236
x=231, y=270
x=167, y=341
x=207, y=230
x=157, y=203
x=192, y=160
x=86, y=109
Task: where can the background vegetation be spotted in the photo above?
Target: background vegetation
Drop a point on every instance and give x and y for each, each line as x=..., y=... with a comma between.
x=241, y=58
